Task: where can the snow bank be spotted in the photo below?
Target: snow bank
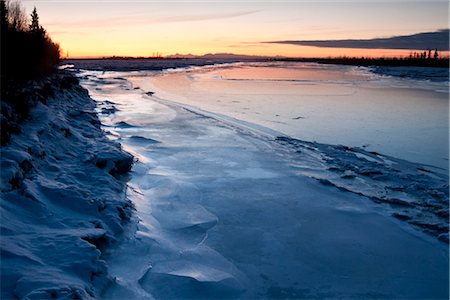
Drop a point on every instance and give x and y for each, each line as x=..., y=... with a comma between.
x=417, y=73
x=63, y=199
x=416, y=194
x=141, y=64
x=224, y=210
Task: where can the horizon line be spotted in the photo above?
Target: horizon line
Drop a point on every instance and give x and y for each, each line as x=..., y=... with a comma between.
x=249, y=56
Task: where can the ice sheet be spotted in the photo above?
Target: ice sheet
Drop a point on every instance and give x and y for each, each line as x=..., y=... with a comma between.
x=226, y=210
x=330, y=104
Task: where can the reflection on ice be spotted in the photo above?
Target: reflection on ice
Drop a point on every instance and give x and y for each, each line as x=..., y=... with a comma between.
x=179, y=216
x=256, y=173
x=328, y=104
x=225, y=209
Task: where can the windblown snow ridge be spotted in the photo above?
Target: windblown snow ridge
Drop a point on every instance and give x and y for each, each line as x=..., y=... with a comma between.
x=413, y=193
x=63, y=199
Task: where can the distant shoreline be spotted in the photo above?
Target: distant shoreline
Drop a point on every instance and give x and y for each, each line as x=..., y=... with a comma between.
x=353, y=61
x=435, y=70
x=386, y=62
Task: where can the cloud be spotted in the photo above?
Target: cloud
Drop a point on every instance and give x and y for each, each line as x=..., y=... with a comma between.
x=138, y=19
x=246, y=45
x=204, y=17
x=420, y=41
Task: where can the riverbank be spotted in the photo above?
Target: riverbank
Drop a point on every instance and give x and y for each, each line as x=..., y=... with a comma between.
x=224, y=210
x=63, y=196
x=330, y=104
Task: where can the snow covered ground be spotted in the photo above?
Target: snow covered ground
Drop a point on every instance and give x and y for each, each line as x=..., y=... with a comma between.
x=63, y=199
x=418, y=73
x=226, y=208
x=330, y=104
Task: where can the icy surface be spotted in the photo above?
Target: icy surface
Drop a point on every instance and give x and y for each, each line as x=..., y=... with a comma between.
x=226, y=209
x=329, y=104
x=418, y=73
x=141, y=64
x=60, y=202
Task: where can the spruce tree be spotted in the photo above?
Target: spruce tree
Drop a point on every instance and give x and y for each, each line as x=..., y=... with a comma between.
x=3, y=15
x=34, y=26
x=436, y=54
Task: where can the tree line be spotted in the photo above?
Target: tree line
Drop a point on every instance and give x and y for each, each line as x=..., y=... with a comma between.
x=27, y=57
x=425, y=54
x=429, y=58
x=27, y=52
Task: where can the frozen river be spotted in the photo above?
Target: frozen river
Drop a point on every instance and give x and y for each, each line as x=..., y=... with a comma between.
x=325, y=103
x=227, y=206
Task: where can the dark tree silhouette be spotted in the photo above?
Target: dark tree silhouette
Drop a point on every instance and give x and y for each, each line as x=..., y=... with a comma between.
x=34, y=25
x=3, y=16
x=436, y=54
x=17, y=18
x=27, y=52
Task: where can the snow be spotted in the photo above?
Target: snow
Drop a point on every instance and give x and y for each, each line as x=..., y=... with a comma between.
x=418, y=73
x=224, y=205
x=143, y=64
x=399, y=117
x=60, y=204
x=227, y=209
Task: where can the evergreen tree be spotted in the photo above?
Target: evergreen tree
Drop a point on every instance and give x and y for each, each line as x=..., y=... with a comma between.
x=3, y=15
x=436, y=54
x=34, y=25
x=16, y=16
x=26, y=50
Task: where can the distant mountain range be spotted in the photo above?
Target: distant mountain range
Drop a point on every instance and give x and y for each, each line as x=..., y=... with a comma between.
x=419, y=41
x=226, y=56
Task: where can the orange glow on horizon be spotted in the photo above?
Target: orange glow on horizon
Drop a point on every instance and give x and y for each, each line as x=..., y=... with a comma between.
x=139, y=29
x=311, y=52
x=99, y=46
x=107, y=45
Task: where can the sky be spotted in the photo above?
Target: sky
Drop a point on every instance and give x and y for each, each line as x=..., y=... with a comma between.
x=142, y=28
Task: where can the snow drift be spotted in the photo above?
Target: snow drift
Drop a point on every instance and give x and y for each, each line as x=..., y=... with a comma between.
x=63, y=199
x=226, y=209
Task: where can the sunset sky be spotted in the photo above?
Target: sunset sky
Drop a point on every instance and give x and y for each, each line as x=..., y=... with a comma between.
x=141, y=28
